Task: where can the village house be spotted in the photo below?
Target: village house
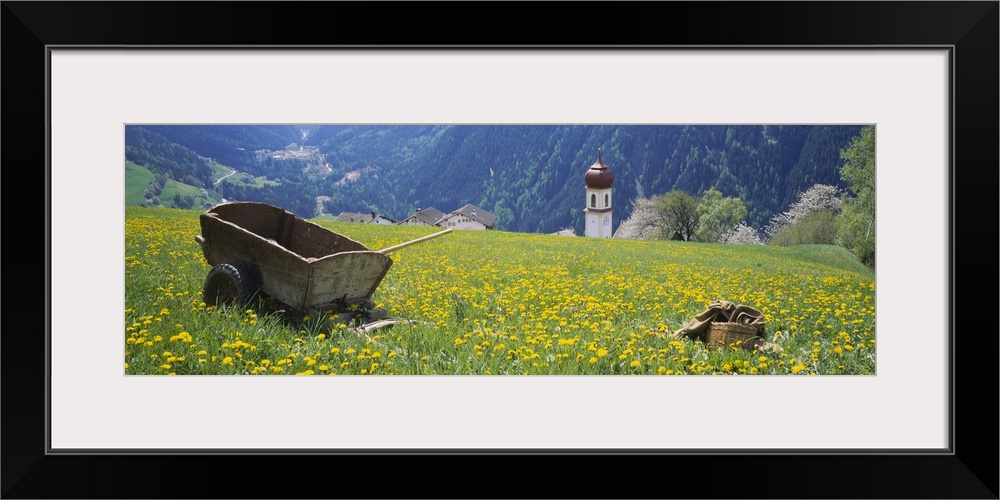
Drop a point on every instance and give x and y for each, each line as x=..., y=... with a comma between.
x=468, y=217
x=369, y=218
x=424, y=217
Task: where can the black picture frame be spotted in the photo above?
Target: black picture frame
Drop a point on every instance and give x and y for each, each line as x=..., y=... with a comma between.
x=968, y=470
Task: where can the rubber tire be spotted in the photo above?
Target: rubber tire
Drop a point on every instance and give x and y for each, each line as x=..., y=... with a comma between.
x=228, y=284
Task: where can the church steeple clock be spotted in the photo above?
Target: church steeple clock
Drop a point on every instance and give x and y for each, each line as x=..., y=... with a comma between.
x=599, y=179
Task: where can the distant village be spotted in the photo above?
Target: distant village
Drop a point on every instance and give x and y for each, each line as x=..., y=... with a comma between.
x=598, y=180
x=467, y=217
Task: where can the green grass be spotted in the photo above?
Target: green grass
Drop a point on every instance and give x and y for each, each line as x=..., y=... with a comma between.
x=218, y=169
x=246, y=179
x=500, y=303
x=137, y=179
x=827, y=255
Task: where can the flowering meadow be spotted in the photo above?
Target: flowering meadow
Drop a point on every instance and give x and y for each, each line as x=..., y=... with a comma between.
x=502, y=303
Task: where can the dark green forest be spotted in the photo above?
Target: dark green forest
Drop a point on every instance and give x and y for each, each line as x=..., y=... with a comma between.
x=529, y=176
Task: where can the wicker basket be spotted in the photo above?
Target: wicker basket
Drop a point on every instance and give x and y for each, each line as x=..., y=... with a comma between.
x=722, y=335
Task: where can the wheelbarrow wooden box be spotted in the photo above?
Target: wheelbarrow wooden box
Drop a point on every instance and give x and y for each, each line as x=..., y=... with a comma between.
x=259, y=247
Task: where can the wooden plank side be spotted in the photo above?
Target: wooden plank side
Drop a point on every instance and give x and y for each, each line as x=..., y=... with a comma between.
x=278, y=271
x=348, y=276
x=266, y=221
x=312, y=240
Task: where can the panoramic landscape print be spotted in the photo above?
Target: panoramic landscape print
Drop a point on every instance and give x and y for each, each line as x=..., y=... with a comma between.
x=499, y=250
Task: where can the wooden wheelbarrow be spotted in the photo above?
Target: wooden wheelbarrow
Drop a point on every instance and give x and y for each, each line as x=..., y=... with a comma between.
x=256, y=247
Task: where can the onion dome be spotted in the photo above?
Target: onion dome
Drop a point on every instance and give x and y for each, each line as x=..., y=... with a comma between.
x=599, y=176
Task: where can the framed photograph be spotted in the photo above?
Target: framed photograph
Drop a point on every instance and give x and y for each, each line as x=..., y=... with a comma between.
x=923, y=74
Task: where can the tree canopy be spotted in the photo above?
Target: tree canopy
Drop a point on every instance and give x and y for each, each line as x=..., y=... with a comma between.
x=718, y=215
x=678, y=213
x=857, y=228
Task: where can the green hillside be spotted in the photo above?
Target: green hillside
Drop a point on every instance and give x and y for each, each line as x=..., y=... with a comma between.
x=495, y=302
x=143, y=187
x=137, y=180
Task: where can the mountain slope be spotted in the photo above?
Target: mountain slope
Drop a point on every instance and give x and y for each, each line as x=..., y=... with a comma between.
x=529, y=176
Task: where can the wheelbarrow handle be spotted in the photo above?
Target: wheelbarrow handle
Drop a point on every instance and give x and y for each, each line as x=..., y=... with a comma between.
x=411, y=242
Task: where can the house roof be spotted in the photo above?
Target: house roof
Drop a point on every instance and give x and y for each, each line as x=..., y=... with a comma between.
x=475, y=213
x=354, y=217
x=429, y=216
x=565, y=232
x=359, y=217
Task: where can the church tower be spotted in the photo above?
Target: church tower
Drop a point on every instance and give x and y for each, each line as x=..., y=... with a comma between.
x=599, y=179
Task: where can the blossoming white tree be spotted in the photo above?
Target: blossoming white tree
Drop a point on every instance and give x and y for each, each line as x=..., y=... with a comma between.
x=817, y=198
x=742, y=234
x=641, y=221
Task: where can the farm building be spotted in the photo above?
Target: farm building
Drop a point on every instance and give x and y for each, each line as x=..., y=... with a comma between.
x=369, y=218
x=468, y=217
x=565, y=232
x=424, y=217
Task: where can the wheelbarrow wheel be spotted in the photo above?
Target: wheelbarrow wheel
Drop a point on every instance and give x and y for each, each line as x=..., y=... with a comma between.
x=228, y=284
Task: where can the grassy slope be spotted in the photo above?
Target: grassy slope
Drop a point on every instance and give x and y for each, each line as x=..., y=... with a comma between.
x=500, y=302
x=828, y=255
x=137, y=179
x=218, y=169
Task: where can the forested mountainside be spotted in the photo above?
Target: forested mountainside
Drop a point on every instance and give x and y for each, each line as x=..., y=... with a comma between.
x=529, y=176
x=230, y=145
